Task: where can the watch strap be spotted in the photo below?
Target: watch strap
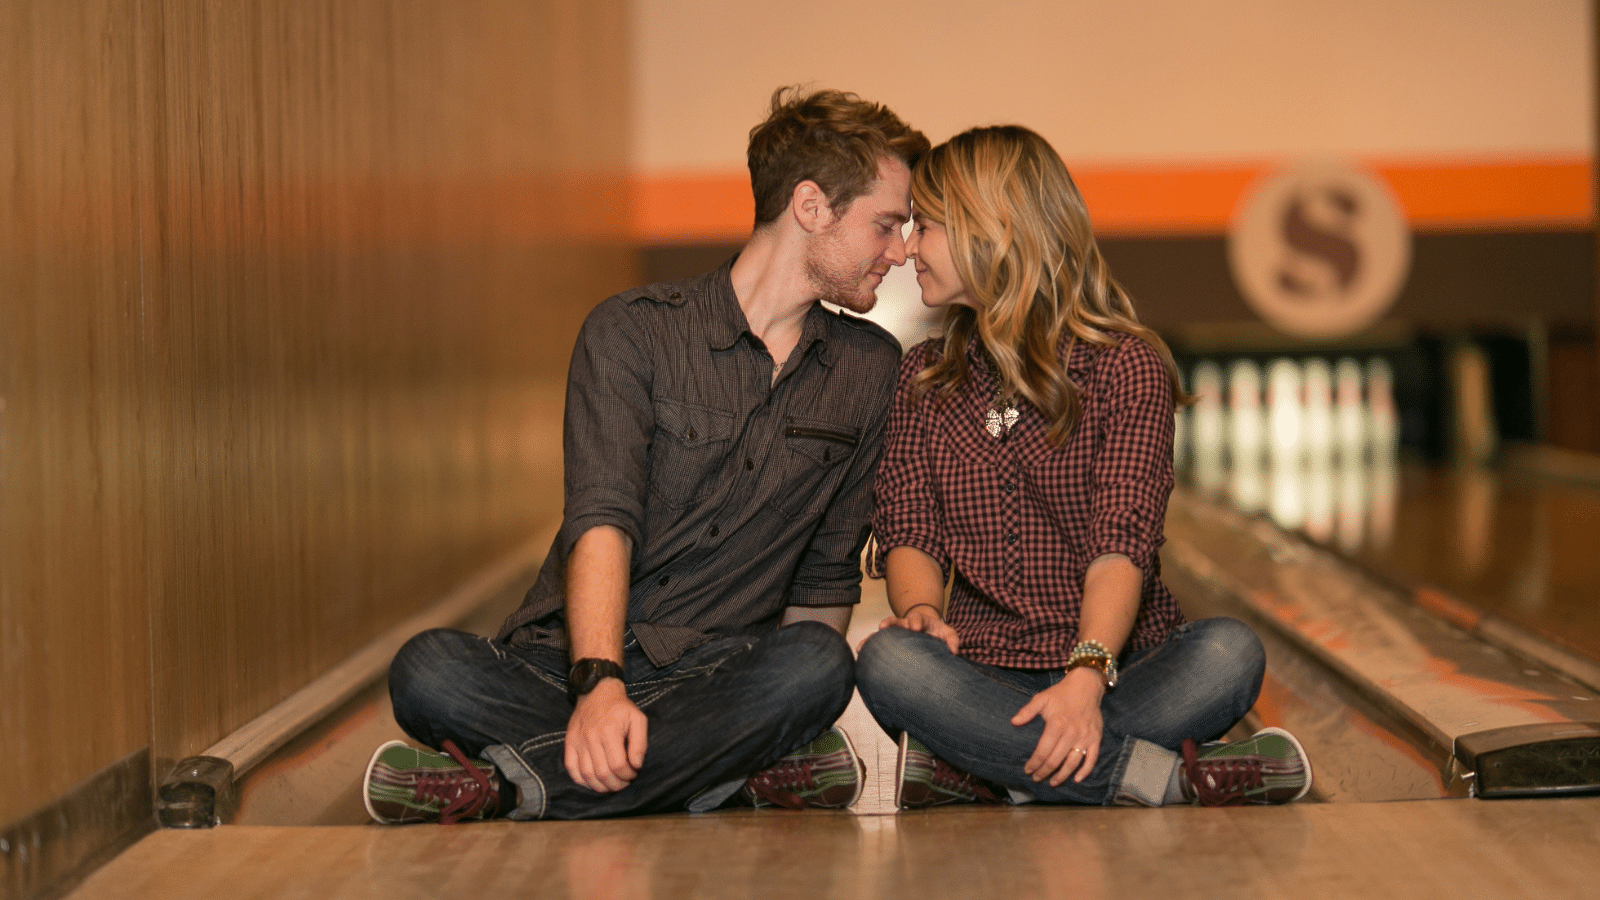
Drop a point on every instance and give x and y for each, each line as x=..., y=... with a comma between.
x=588, y=672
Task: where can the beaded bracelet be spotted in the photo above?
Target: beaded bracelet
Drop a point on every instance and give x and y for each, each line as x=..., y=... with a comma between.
x=1094, y=655
x=1090, y=648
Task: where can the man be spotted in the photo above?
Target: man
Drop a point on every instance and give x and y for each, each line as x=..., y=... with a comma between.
x=720, y=437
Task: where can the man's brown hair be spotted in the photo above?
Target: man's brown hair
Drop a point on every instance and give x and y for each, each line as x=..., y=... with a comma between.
x=831, y=137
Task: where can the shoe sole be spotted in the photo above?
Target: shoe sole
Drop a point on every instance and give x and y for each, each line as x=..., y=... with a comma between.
x=1305, y=759
x=861, y=767
x=366, y=783
x=900, y=768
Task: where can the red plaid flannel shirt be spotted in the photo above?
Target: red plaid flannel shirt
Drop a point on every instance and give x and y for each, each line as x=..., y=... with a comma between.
x=1021, y=520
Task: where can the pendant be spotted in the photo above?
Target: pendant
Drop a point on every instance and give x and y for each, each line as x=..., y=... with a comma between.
x=998, y=421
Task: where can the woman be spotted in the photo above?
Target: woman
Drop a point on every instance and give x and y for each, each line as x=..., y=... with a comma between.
x=1027, y=466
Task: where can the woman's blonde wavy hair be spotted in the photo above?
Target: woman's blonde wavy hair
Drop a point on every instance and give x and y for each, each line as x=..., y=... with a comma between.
x=1021, y=243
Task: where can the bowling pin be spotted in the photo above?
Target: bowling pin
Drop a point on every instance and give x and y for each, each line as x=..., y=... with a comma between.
x=1349, y=413
x=1383, y=421
x=1207, y=428
x=1246, y=430
x=1285, y=411
x=1316, y=428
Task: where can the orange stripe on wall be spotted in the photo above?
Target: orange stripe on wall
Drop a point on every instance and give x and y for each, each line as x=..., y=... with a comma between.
x=1488, y=196
x=1513, y=195
x=693, y=208
x=1163, y=201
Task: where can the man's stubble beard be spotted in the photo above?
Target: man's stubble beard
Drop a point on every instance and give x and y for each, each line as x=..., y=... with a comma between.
x=841, y=288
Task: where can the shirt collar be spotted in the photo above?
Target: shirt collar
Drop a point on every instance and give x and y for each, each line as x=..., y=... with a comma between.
x=728, y=323
x=727, y=319
x=1078, y=363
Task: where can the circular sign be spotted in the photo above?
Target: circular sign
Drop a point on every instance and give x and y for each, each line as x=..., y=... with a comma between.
x=1320, y=250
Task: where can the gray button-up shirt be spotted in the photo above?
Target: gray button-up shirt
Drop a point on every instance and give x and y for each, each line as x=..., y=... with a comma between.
x=741, y=496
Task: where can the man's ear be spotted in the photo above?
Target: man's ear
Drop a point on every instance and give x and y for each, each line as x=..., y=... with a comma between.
x=810, y=206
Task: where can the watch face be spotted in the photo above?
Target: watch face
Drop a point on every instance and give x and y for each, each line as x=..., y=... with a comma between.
x=586, y=673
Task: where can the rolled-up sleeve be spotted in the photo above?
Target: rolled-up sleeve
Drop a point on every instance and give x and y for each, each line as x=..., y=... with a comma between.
x=906, y=511
x=608, y=426
x=1133, y=475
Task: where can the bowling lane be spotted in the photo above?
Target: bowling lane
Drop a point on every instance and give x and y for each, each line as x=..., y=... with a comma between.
x=1515, y=545
x=1315, y=448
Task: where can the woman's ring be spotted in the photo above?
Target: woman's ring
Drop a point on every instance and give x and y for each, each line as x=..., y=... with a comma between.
x=1077, y=750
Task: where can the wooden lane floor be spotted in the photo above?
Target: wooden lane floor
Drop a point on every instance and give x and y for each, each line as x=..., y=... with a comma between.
x=1445, y=849
x=1469, y=542
x=1505, y=543
x=1351, y=659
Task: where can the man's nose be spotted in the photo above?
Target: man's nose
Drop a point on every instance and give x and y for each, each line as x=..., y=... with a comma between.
x=906, y=246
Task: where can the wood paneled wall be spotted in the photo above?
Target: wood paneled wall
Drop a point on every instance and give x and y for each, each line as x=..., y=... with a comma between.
x=287, y=292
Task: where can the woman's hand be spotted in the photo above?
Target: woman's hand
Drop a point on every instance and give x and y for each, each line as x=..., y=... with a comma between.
x=923, y=617
x=1072, y=725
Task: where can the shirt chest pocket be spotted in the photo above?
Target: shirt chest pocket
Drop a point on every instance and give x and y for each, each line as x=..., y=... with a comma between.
x=814, y=459
x=689, y=451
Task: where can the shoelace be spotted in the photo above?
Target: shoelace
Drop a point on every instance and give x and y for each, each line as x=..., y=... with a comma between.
x=1220, y=782
x=778, y=783
x=464, y=793
x=953, y=779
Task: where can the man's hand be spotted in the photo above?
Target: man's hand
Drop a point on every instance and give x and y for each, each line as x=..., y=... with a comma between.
x=925, y=618
x=1072, y=726
x=606, y=738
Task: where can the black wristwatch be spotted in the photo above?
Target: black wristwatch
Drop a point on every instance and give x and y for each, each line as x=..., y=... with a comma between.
x=586, y=673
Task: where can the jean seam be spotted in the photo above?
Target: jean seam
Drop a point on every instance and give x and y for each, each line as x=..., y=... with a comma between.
x=671, y=682
x=542, y=741
x=990, y=672
x=539, y=672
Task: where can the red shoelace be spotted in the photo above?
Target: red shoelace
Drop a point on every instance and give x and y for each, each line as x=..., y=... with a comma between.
x=777, y=784
x=1221, y=782
x=465, y=793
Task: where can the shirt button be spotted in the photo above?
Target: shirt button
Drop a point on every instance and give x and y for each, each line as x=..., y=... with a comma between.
x=749, y=465
x=675, y=295
x=715, y=531
x=1011, y=538
x=1009, y=487
x=691, y=435
x=663, y=580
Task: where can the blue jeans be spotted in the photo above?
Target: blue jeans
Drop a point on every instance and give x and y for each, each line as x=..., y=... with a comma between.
x=1197, y=684
x=725, y=710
